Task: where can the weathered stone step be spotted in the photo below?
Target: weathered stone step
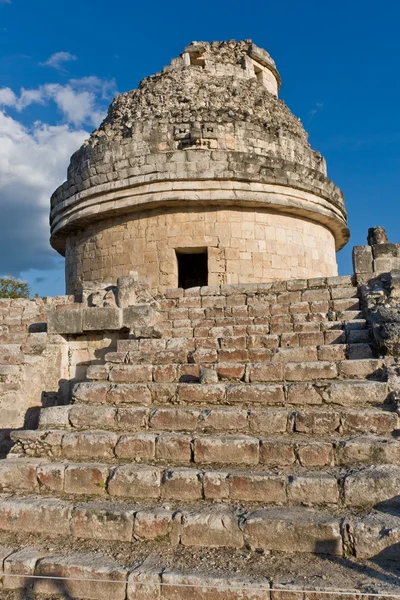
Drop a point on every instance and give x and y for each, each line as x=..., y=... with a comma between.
x=251, y=372
x=251, y=342
x=274, y=529
x=173, y=575
x=182, y=354
x=351, y=393
x=213, y=326
x=362, y=488
x=228, y=449
x=319, y=421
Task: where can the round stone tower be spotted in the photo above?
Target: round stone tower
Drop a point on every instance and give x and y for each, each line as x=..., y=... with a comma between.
x=201, y=176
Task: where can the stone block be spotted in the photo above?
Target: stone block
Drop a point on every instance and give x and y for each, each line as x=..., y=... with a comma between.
x=182, y=484
x=303, y=393
x=35, y=515
x=210, y=394
x=153, y=524
x=21, y=563
x=277, y=453
x=317, y=422
x=90, y=479
x=76, y=568
x=125, y=393
x=351, y=393
x=90, y=393
x=92, y=417
x=211, y=527
x=51, y=476
x=64, y=321
x=307, y=371
x=99, y=318
x=102, y=521
x=315, y=454
x=131, y=374
x=174, y=419
x=223, y=419
x=258, y=487
x=17, y=475
x=137, y=447
x=271, y=421
x=362, y=259
x=256, y=393
x=371, y=421
x=281, y=530
x=134, y=481
x=132, y=418
x=89, y=444
x=216, y=485
x=313, y=489
x=373, y=485
x=265, y=372
x=198, y=586
x=174, y=447
x=224, y=449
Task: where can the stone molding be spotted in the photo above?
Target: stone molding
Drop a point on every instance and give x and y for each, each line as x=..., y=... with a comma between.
x=113, y=199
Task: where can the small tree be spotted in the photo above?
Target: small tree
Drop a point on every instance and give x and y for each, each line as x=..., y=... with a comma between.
x=10, y=287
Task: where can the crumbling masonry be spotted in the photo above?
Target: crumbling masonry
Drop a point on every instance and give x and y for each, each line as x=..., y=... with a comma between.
x=210, y=405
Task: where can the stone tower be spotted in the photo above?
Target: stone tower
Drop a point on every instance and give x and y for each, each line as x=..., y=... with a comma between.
x=201, y=176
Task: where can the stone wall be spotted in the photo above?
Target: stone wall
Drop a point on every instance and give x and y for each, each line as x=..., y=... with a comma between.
x=38, y=368
x=32, y=363
x=244, y=246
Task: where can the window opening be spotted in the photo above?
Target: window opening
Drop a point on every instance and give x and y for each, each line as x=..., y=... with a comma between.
x=192, y=268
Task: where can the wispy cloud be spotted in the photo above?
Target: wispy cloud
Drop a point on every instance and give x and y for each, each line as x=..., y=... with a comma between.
x=58, y=59
x=5, y=2
x=317, y=108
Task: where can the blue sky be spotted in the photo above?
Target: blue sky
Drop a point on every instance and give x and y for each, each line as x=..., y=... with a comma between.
x=62, y=61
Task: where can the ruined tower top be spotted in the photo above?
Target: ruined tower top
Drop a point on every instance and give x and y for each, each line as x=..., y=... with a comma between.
x=201, y=158
x=238, y=59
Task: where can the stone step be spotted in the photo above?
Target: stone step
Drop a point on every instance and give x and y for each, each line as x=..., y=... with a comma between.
x=361, y=488
x=180, y=573
x=254, y=341
x=208, y=356
x=351, y=393
x=313, y=421
x=268, y=371
x=228, y=449
x=271, y=529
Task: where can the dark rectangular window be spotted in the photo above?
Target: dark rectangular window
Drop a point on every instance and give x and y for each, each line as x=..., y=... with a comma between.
x=192, y=268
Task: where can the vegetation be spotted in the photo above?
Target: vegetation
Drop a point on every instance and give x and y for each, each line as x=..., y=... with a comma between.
x=10, y=287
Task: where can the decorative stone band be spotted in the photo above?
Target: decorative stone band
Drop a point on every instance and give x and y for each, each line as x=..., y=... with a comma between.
x=117, y=198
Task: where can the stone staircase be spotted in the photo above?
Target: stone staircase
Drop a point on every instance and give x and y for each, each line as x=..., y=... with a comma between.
x=255, y=428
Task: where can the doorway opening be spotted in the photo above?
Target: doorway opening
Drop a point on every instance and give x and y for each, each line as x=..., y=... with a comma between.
x=192, y=267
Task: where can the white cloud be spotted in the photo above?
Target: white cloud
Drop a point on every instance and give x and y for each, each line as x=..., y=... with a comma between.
x=79, y=100
x=33, y=163
x=57, y=60
x=7, y=97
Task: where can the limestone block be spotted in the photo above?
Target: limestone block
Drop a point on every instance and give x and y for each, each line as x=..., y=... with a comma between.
x=126, y=291
x=141, y=315
x=284, y=529
x=64, y=321
x=78, y=567
x=362, y=259
x=102, y=521
x=101, y=319
x=212, y=527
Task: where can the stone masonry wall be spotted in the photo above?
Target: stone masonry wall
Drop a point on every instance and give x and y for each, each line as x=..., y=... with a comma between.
x=244, y=246
x=38, y=368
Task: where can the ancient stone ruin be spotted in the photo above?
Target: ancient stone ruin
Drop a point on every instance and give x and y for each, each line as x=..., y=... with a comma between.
x=211, y=412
